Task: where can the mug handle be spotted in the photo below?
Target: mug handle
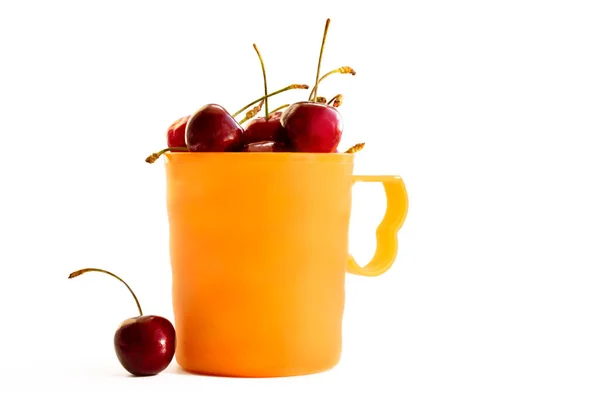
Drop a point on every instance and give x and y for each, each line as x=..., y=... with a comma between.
x=387, y=231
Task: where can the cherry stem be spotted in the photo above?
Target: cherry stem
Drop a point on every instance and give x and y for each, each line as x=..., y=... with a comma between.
x=336, y=100
x=341, y=70
x=83, y=271
x=294, y=86
x=356, y=148
x=154, y=156
x=262, y=65
x=320, y=57
x=252, y=113
x=280, y=108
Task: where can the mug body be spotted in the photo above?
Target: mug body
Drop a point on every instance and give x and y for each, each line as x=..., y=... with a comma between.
x=259, y=250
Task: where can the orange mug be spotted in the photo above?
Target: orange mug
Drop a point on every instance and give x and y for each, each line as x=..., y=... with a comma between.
x=259, y=252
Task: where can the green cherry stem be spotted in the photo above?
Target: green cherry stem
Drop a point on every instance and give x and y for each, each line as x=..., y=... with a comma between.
x=83, y=271
x=253, y=111
x=320, y=58
x=293, y=86
x=280, y=108
x=154, y=156
x=262, y=65
x=341, y=70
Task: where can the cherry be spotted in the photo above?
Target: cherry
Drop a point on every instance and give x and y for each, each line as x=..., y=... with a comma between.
x=261, y=129
x=176, y=132
x=313, y=126
x=266, y=146
x=213, y=129
x=145, y=345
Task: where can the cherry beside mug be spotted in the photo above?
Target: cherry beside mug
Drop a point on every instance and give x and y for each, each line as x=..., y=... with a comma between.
x=259, y=253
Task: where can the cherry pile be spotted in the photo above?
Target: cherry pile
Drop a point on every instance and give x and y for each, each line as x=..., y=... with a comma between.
x=314, y=125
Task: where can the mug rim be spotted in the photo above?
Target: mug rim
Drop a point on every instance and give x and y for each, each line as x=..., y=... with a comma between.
x=336, y=158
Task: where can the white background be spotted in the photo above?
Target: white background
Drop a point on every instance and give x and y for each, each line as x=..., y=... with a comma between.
x=489, y=110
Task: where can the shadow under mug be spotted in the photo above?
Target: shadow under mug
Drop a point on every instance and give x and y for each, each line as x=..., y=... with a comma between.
x=259, y=252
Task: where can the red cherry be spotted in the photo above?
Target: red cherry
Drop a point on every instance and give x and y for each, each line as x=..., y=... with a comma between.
x=266, y=146
x=313, y=127
x=213, y=129
x=176, y=132
x=145, y=345
x=260, y=129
